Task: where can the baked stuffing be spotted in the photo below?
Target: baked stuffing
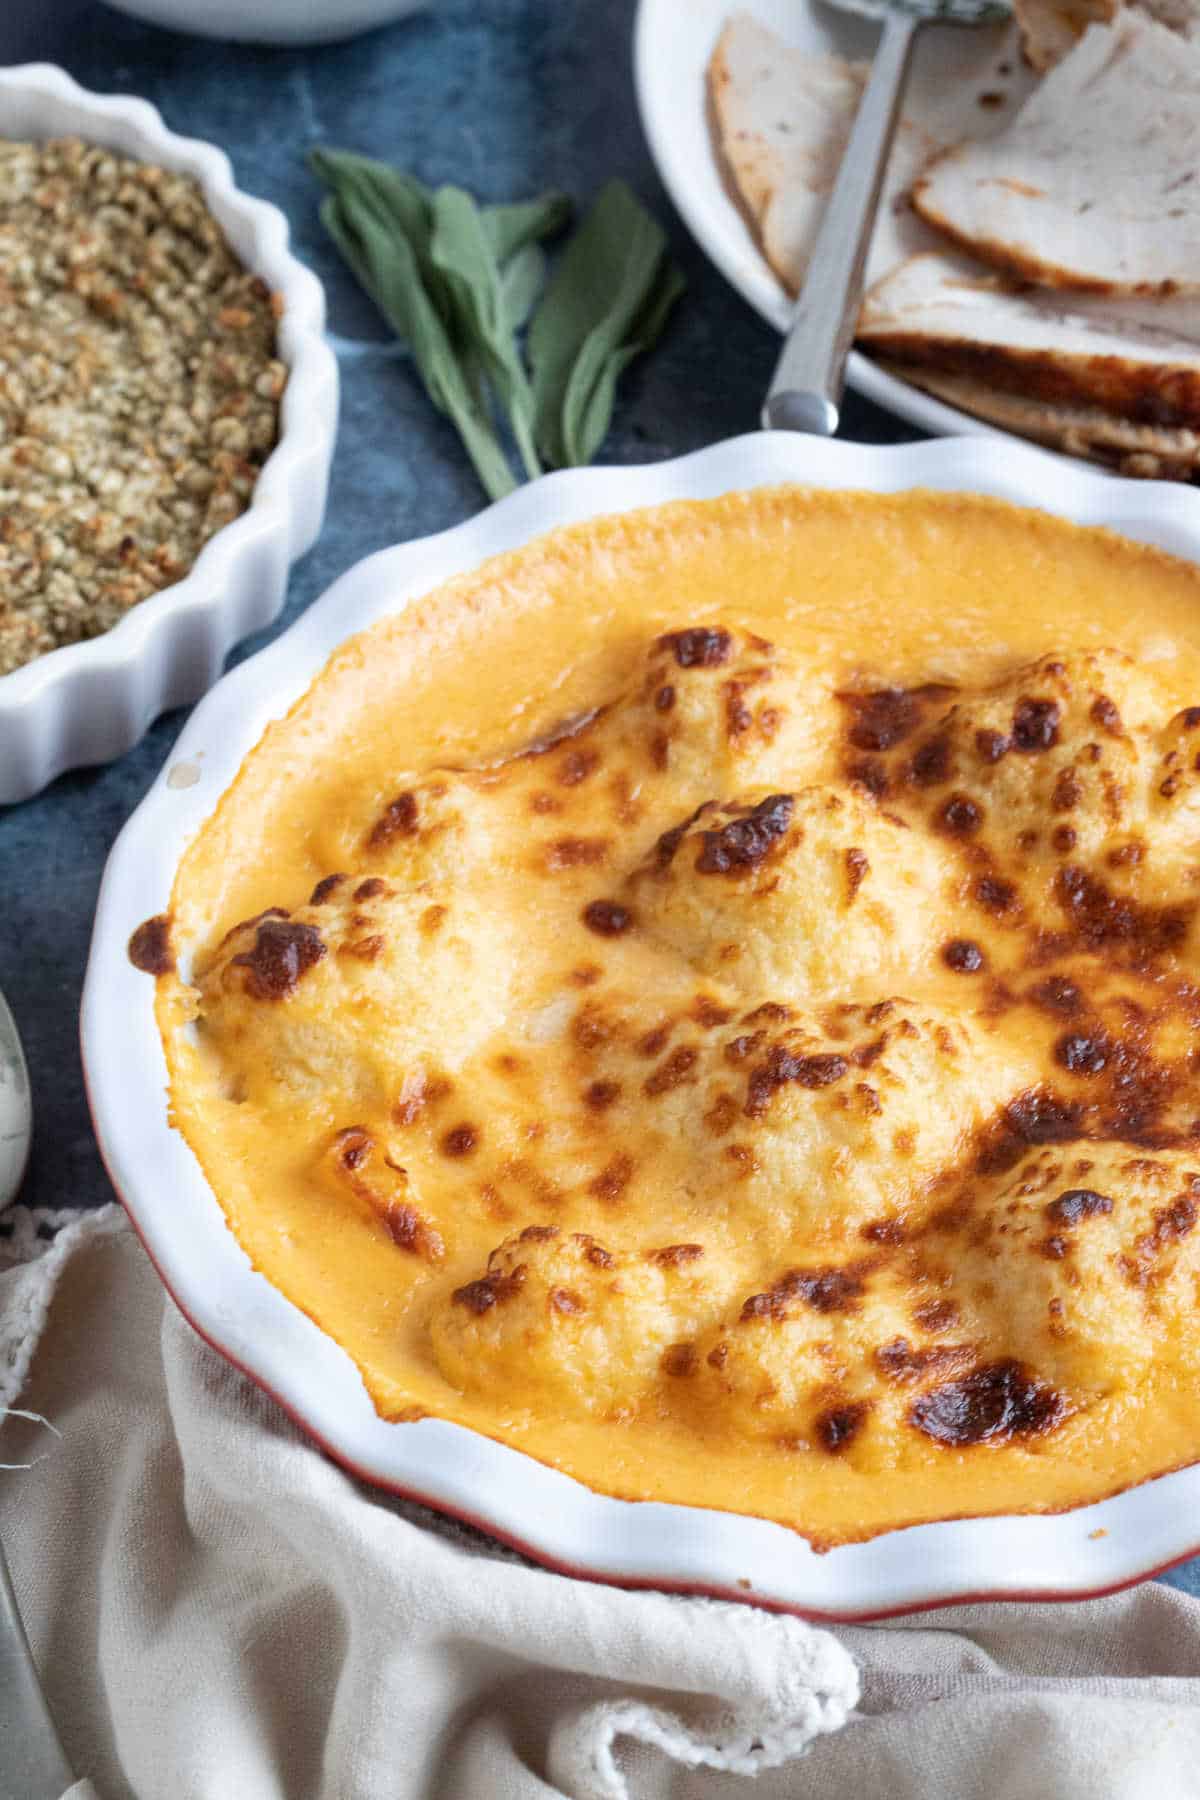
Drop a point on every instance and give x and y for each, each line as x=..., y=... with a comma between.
x=139, y=388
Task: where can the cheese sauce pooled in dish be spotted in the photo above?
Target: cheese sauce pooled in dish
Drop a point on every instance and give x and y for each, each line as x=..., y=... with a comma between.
x=711, y=998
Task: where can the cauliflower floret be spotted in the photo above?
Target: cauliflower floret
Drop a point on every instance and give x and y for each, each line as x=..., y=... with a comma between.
x=343, y=1001
x=804, y=895
x=560, y=1314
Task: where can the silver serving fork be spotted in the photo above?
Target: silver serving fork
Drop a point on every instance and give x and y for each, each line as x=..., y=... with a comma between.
x=806, y=389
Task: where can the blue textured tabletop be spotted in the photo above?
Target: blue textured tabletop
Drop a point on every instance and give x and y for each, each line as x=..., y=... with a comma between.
x=506, y=97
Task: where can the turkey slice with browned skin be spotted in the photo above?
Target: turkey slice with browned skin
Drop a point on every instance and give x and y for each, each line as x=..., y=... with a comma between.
x=1139, y=361
x=1149, y=452
x=1095, y=185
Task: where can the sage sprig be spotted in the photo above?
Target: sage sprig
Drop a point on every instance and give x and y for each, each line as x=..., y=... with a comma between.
x=608, y=301
x=457, y=282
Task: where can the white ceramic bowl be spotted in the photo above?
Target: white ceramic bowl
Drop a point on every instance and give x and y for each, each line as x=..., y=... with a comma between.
x=269, y=21
x=89, y=702
x=553, y=1518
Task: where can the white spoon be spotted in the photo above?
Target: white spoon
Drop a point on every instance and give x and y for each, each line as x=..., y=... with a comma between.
x=16, y=1107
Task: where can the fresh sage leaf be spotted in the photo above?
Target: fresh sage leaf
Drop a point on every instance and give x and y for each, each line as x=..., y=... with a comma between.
x=457, y=282
x=461, y=251
x=390, y=272
x=591, y=392
x=521, y=281
x=606, y=302
x=510, y=228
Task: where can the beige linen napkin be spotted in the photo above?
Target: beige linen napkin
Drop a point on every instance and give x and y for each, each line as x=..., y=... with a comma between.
x=221, y=1614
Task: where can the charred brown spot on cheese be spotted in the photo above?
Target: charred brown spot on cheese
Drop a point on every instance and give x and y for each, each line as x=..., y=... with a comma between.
x=827, y=1290
x=576, y=765
x=995, y=1402
x=495, y=1288
x=900, y=1361
x=669, y=842
x=995, y=894
x=400, y=818
x=963, y=955
x=460, y=1140
x=592, y=1252
x=675, y=1256
x=325, y=888
x=1077, y=1204
x=538, y=1234
x=575, y=853
x=677, y=1069
x=607, y=918
x=1034, y=1117
x=858, y=868
x=149, y=948
x=371, y=888
x=353, y=1147
x=1068, y=791
x=884, y=717
x=600, y=1095
x=1082, y=1053
x=1171, y=1223
x=840, y=1425
x=385, y=1190
x=991, y=746
x=936, y=1315
x=783, y=1066
x=870, y=776
x=709, y=1013
x=744, y=842
x=1057, y=994
x=566, y=1300
x=722, y=1115
x=959, y=816
x=1189, y=718
x=679, y=1360
x=365, y=949
x=1035, y=725
x=613, y=1178
x=543, y=803
x=701, y=647
x=1064, y=839
x=284, y=950
x=1103, y=920
x=664, y=699
x=1105, y=713
x=883, y=1231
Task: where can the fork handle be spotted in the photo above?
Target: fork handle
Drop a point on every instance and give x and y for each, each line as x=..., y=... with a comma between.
x=806, y=389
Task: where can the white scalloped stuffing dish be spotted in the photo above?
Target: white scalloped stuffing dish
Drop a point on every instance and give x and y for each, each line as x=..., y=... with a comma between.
x=703, y=1001
x=171, y=407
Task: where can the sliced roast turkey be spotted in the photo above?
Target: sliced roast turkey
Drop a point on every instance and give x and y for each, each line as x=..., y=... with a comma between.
x=1095, y=184
x=1137, y=359
x=783, y=117
x=1148, y=451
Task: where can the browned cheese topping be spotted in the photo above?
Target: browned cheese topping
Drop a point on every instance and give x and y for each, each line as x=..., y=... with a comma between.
x=808, y=1072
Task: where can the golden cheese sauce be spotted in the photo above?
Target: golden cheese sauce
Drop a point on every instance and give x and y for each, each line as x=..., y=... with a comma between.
x=709, y=999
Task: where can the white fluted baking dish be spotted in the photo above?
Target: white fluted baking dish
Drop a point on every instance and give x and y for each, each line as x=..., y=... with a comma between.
x=1089, y=1550
x=88, y=702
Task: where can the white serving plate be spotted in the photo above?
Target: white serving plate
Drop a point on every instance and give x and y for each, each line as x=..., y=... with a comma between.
x=550, y=1516
x=672, y=46
x=89, y=702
